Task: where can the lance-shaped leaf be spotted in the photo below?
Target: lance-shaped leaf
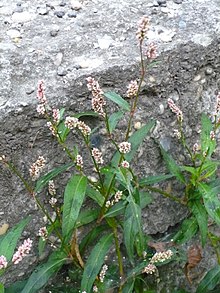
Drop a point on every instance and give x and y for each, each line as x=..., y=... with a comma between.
x=207, y=144
x=114, y=119
x=95, y=262
x=154, y=179
x=73, y=199
x=172, y=166
x=188, y=229
x=44, y=272
x=49, y=176
x=211, y=201
x=117, y=99
x=9, y=241
x=2, y=288
x=210, y=281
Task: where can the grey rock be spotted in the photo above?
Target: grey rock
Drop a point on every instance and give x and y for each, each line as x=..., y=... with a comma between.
x=161, y=2
x=61, y=71
x=59, y=14
x=178, y=1
x=54, y=33
x=209, y=70
x=63, y=3
x=43, y=10
x=72, y=13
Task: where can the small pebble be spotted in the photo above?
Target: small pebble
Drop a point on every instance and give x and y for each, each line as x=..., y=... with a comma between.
x=137, y=125
x=208, y=71
x=76, y=5
x=197, y=77
x=61, y=71
x=161, y=2
x=161, y=109
x=30, y=91
x=59, y=14
x=54, y=33
x=42, y=10
x=62, y=4
x=178, y=1
x=13, y=33
x=72, y=14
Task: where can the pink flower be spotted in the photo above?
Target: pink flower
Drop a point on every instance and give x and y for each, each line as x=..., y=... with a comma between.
x=125, y=164
x=71, y=122
x=79, y=161
x=43, y=233
x=3, y=262
x=37, y=167
x=56, y=115
x=51, y=128
x=41, y=109
x=41, y=92
x=151, y=52
x=22, y=251
x=124, y=147
x=97, y=155
x=143, y=27
x=150, y=269
x=175, y=110
x=84, y=128
x=132, y=89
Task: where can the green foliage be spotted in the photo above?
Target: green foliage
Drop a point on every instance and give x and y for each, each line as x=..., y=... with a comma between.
x=43, y=272
x=188, y=229
x=95, y=262
x=117, y=99
x=73, y=199
x=9, y=242
x=210, y=281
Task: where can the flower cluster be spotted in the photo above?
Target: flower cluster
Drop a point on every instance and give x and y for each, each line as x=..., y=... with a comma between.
x=151, y=51
x=73, y=122
x=95, y=289
x=52, y=201
x=161, y=256
x=3, y=262
x=43, y=233
x=212, y=135
x=102, y=273
x=175, y=110
x=97, y=155
x=177, y=133
x=157, y=257
x=150, y=269
x=22, y=251
x=56, y=115
x=117, y=197
x=79, y=161
x=37, y=167
x=125, y=164
x=124, y=147
x=132, y=89
x=41, y=98
x=52, y=128
x=217, y=103
x=98, y=101
x=51, y=188
x=195, y=148
x=143, y=27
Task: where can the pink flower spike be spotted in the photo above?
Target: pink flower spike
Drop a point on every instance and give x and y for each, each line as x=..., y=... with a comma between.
x=151, y=52
x=22, y=251
x=124, y=147
x=3, y=262
x=41, y=92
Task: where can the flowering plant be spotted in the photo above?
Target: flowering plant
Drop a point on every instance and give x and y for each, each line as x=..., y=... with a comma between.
x=118, y=195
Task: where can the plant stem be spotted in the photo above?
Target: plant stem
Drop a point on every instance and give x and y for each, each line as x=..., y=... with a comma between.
x=166, y=194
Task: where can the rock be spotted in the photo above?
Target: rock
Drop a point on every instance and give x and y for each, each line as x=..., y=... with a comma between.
x=13, y=33
x=22, y=17
x=72, y=14
x=178, y=1
x=105, y=42
x=167, y=35
x=208, y=71
x=43, y=10
x=61, y=71
x=58, y=59
x=59, y=14
x=62, y=4
x=54, y=33
x=161, y=2
x=137, y=125
x=197, y=77
x=76, y=5
x=30, y=90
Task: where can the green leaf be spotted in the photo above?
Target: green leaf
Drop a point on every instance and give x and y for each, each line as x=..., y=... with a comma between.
x=86, y=217
x=113, y=120
x=49, y=176
x=201, y=216
x=210, y=281
x=154, y=179
x=95, y=195
x=117, y=99
x=2, y=288
x=188, y=229
x=9, y=241
x=43, y=272
x=116, y=210
x=133, y=233
x=63, y=131
x=135, y=139
x=145, y=199
x=206, y=142
x=73, y=199
x=16, y=287
x=87, y=113
x=95, y=262
x=172, y=166
x=92, y=236
x=128, y=287
x=211, y=201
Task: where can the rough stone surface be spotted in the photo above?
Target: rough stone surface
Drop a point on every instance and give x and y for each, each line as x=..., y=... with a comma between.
x=100, y=41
